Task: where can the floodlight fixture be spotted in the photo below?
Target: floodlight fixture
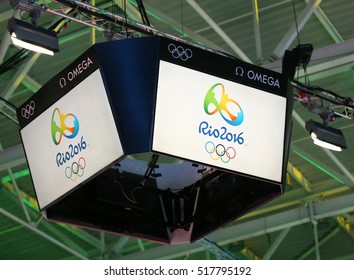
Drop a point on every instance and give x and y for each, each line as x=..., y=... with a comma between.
x=325, y=136
x=31, y=37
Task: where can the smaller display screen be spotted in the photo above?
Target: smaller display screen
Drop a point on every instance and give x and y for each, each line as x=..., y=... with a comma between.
x=71, y=141
x=220, y=123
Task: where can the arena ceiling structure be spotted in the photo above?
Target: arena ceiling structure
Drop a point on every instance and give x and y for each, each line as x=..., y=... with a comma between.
x=313, y=219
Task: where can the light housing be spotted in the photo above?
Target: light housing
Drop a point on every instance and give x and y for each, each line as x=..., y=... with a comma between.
x=32, y=37
x=325, y=136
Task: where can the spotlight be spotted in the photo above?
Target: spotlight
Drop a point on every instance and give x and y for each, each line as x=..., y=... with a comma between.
x=31, y=37
x=325, y=136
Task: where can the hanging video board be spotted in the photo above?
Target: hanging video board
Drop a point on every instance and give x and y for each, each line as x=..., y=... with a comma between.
x=72, y=139
x=212, y=110
x=156, y=139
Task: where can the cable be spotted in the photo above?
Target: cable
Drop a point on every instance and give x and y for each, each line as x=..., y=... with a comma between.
x=324, y=94
x=297, y=27
x=182, y=19
x=15, y=60
x=8, y=110
x=143, y=13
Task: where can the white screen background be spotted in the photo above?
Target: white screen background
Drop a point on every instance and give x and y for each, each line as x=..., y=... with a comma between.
x=179, y=112
x=88, y=102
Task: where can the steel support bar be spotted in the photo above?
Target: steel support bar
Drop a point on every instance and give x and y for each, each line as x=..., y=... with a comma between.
x=11, y=157
x=76, y=231
x=31, y=84
x=257, y=33
x=254, y=228
x=139, y=27
x=8, y=111
x=246, y=252
x=334, y=207
x=131, y=11
x=215, y=249
x=346, y=224
x=140, y=244
x=117, y=248
x=315, y=230
x=6, y=40
x=340, y=178
x=218, y=30
x=6, y=15
x=324, y=240
x=62, y=236
x=5, y=43
x=189, y=32
x=349, y=218
x=335, y=55
x=32, y=205
x=299, y=177
x=41, y=233
x=276, y=243
x=292, y=32
x=102, y=242
x=82, y=234
x=328, y=68
x=340, y=165
x=270, y=7
x=328, y=25
x=14, y=183
x=19, y=76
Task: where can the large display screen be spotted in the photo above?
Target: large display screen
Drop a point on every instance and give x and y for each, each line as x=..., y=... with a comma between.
x=71, y=141
x=218, y=122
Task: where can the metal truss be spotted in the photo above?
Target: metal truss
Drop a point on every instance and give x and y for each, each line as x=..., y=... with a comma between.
x=8, y=110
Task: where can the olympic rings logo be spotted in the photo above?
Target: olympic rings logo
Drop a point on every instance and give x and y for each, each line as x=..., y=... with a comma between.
x=220, y=152
x=76, y=169
x=28, y=110
x=180, y=52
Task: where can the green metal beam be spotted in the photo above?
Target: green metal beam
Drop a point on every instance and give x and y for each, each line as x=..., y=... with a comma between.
x=276, y=243
x=42, y=234
x=299, y=177
x=247, y=254
x=320, y=166
x=32, y=204
x=320, y=243
x=243, y=230
x=117, y=248
x=9, y=230
x=345, y=224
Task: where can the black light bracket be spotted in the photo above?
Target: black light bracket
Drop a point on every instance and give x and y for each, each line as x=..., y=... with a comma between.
x=327, y=104
x=28, y=6
x=299, y=56
x=303, y=54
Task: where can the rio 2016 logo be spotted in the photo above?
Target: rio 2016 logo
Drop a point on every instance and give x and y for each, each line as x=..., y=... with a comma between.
x=210, y=100
x=216, y=100
x=67, y=125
